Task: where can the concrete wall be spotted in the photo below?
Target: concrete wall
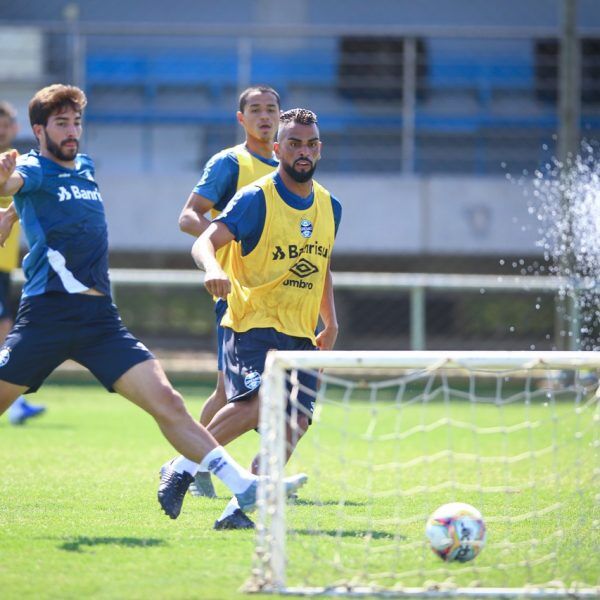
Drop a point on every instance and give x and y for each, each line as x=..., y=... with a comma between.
x=531, y=13
x=384, y=215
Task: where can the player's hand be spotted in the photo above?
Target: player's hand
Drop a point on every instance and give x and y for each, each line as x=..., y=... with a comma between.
x=326, y=338
x=8, y=162
x=6, y=225
x=217, y=283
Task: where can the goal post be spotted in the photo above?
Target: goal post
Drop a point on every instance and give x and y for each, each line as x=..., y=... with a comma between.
x=397, y=434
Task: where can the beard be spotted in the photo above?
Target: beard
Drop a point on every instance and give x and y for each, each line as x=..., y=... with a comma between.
x=57, y=151
x=299, y=176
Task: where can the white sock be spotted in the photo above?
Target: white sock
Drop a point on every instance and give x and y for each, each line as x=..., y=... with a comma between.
x=219, y=463
x=182, y=464
x=231, y=507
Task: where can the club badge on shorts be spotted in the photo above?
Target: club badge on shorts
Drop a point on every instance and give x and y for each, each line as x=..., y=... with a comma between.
x=252, y=380
x=4, y=355
x=306, y=228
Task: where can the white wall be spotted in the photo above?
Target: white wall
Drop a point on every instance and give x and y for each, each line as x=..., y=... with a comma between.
x=382, y=214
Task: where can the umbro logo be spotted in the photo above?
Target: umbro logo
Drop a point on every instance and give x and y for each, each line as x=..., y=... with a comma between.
x=304, y=268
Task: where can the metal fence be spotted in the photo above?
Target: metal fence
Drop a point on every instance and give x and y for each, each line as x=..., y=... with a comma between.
x=392, y=311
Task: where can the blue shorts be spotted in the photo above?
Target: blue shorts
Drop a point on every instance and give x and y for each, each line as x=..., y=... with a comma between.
x=4, y=295
x=244, y=357
x=54, y=327
x=220, y=308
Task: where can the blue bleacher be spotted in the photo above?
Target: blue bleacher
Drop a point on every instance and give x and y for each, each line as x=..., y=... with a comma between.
x=482, y=75
x=151, y=71
x=217, y=71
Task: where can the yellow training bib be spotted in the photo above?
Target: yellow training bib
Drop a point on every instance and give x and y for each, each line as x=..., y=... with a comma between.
x=280, y=283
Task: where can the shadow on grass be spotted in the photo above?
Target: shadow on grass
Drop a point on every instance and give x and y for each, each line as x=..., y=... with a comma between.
x=77, y=544
x=303, y=502
x=351, y=533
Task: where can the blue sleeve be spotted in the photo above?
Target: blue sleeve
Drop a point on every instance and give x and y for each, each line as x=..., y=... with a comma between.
x=88, y=163
x=219, y=179
x=31, y=171
x=245, y=216
x=337, y=212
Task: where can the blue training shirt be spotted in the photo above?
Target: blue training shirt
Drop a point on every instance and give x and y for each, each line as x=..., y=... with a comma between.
x=220, y=177
x=245, y=213
x=62, y=215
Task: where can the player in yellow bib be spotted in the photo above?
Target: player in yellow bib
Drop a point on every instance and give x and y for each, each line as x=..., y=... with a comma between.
x=20, y=411
x=224, y=174
x=277, y=281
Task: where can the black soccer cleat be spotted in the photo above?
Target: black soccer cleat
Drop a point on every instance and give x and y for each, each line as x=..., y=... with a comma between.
x=172, y=489
x=236, y=520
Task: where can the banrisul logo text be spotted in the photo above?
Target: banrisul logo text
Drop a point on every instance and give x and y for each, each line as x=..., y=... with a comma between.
x=74, y=191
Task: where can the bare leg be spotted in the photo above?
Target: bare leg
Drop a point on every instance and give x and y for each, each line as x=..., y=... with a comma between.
x=234, y=419
x=293, y=436
x=146, y=385
x=215, y=402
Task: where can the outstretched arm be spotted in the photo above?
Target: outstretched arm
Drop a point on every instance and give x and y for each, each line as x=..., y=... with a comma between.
x=204, y=254
x=327, y=337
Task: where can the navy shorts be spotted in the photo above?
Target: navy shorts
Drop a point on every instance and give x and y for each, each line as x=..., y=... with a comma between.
x=244, y=357
x=54, y=327
x=4, y=295
x=220, y=308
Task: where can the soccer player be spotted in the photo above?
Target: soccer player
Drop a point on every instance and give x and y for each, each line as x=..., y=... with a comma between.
x=277, y=282
x=66, y=310
x=224, y=174
x=20, y=410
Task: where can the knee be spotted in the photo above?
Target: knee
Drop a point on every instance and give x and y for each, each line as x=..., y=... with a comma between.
x=171, y=406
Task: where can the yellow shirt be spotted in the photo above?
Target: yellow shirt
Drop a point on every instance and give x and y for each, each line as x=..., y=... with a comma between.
x=250, y=169
x=280, y=283
x=9, y=255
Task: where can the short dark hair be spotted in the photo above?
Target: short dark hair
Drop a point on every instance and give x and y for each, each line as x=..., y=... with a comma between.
x=261, y=89
x=301, y=116
x=53, y=98
x=8, y=110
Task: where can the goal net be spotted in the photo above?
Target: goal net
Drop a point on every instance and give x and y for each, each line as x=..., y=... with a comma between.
x=395, y=435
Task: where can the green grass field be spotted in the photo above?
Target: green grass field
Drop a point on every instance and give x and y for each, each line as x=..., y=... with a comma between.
x=79, y=516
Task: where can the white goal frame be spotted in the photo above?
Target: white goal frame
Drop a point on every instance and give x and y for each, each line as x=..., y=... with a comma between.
x=269, y=569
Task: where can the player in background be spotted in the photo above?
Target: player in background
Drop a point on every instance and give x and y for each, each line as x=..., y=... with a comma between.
x=66, y=310
x=20, y=410
x=277, y=284
x=224, y=174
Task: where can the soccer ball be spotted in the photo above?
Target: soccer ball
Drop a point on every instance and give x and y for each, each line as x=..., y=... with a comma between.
x=456, y=532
